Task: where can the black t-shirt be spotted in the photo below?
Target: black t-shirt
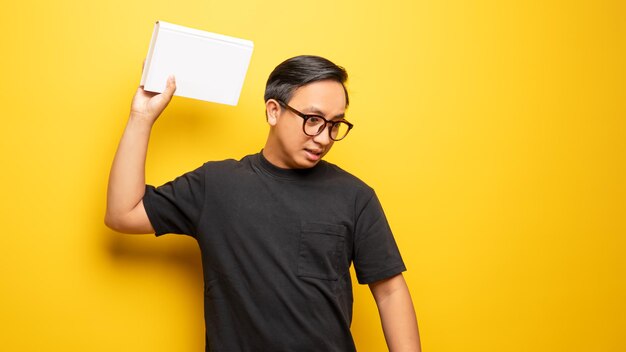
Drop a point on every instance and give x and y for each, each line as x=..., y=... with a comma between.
x=276, y=248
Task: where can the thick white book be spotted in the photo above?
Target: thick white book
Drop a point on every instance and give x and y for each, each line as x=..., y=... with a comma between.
x=207, y=66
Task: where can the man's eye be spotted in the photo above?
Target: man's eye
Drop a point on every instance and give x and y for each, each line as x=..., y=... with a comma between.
x=314, y=120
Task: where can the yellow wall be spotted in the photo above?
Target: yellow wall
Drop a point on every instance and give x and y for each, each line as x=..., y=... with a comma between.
x=493, y=131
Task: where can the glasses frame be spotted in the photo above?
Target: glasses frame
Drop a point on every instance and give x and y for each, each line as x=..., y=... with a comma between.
x=306, y=117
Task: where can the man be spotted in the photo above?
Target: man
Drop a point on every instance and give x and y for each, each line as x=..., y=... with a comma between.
x=278, y=230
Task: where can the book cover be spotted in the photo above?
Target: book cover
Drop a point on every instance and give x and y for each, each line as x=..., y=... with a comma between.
x=208, y=66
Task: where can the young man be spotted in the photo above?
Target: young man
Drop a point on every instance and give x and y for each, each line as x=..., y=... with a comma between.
x=278, y=230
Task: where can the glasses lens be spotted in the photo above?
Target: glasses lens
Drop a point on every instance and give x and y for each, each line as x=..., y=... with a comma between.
x=313, y=125
x=339, y=130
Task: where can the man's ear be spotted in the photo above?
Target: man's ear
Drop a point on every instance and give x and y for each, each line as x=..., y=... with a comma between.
x=272, y=111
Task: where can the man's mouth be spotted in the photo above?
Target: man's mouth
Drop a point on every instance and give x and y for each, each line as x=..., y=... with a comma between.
x=314, y=154
x=314, y=151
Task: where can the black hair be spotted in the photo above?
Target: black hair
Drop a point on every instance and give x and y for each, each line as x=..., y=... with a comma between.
x=299, y=71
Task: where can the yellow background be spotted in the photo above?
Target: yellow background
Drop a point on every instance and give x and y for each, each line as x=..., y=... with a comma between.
x=493, y=131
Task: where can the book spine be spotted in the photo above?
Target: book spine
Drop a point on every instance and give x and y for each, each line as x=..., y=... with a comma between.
x=148, y=60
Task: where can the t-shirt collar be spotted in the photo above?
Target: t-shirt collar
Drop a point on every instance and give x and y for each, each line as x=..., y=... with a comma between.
x=295, y=174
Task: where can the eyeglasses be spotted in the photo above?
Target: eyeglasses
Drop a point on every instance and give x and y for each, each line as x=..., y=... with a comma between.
x=314, y=125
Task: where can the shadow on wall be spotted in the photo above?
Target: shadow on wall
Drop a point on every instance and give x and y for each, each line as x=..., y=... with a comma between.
x=168, y=251
x=171, y=261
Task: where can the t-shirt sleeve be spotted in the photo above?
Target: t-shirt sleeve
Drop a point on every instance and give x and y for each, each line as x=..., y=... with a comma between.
x=175, y=207
x=376, y=254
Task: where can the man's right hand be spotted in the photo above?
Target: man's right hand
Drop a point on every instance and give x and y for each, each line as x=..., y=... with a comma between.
x=125, y=211
x=148, y=105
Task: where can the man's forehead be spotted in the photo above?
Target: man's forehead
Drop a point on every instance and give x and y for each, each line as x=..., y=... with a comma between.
x=321, y=97
x=315, y=110
x=324, y=87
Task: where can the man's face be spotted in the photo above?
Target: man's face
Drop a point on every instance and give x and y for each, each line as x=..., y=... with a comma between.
x=288, y=146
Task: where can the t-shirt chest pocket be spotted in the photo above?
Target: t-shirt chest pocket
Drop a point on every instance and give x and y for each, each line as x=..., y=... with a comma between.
x=320, y=251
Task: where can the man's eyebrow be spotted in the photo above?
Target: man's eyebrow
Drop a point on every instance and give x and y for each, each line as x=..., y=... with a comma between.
x=312, y=110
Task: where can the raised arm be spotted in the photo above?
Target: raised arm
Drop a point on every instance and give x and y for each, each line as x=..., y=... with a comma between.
x=125, y=211
x=397, y=314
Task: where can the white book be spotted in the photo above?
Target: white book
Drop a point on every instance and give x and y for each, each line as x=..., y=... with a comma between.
x=207, y=66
